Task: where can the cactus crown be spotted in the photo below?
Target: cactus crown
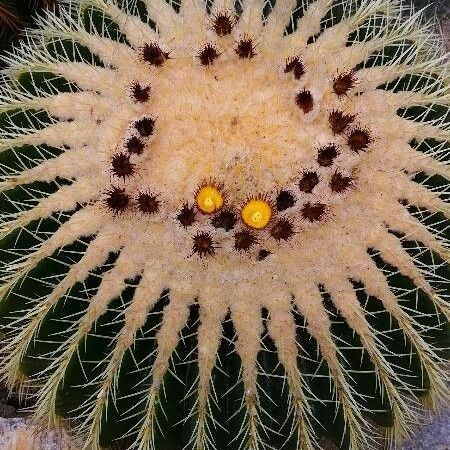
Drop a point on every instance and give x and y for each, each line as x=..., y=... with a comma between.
x=223, y=223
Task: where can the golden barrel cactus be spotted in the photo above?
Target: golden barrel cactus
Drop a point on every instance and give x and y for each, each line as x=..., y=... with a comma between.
x=224, y=224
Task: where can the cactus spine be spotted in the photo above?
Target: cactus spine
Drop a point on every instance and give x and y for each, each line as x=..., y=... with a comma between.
x=15, y=15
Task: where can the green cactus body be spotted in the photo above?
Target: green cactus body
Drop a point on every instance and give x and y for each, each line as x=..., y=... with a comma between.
x=224, y=224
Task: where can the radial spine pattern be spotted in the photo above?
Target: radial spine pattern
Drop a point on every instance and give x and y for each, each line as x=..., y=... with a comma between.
x=224, y=224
